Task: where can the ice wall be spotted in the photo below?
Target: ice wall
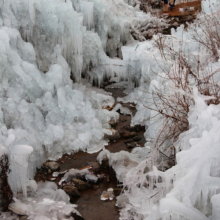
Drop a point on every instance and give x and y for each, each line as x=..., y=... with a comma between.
x=45, y=111
x=43, y=43
x=45, y=24
x=68, y=23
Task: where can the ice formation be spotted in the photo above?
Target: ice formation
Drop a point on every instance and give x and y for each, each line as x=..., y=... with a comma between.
x=44, y=114
x=40, y=105
x=45, y=202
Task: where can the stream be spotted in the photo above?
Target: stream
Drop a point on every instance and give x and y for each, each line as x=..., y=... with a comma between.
x=89, y=204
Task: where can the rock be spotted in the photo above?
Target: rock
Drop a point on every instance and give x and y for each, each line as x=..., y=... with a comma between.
x=81, y=185
x=77, y=217
x=107, y=195
x=40, y=171
x=128, y=141
x=95, y=166
x=52, y=165
x=71, y=191
x=105, y=163
x=104, y=196
x=134, y=128
x=95, y=187
x=112, y=123
x=107, y=178
x=131, y=145
x=136, y=138
x=117, y=191
x=127, y=134
x=146, y=169
x=128, y=162
x=114, y=136
x=25, y=217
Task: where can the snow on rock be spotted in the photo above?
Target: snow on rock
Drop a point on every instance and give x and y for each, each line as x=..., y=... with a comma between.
x=75, y=173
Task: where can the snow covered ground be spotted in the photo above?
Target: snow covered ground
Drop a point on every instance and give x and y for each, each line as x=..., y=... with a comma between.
x=44, y=114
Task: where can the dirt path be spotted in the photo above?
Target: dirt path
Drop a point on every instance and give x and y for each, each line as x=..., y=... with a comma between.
x=89, y=204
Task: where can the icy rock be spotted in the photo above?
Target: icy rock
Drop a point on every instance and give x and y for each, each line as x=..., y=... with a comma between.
x=20, y=208
x=81, y=174
x=112, y=134
x=52, y=165
x=91, y=178
x=107, y=195
x=104, y=196
x=71, y=191
x=122, y=110
x=81, y=185
x=103, y=158
x=113, y=123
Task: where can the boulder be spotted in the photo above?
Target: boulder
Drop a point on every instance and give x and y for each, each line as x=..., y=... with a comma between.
x=81, y=185
x=71, y=191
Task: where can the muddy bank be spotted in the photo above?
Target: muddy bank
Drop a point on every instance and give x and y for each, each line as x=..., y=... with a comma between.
x=89, y=204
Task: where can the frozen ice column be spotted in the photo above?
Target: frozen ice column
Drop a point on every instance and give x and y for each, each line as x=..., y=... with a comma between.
x=18, y=157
